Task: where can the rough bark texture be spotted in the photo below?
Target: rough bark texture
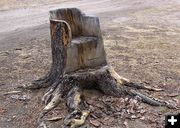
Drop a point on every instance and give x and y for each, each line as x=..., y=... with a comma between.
x=60, y=37
x=79, y=62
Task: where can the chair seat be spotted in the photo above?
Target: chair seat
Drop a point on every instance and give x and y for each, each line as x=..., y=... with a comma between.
x=84, y=39
x=84, y=52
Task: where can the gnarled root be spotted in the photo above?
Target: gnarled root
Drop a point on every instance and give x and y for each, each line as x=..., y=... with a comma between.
x=78, y=116
x=113, y=84
x=52, y=100
x=150, y=100
x=104, y=79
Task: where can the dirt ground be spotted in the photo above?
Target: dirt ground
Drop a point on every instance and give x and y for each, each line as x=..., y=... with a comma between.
x=142, y=42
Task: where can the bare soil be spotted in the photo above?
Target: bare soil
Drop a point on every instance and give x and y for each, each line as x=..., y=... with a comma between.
x=142, y=42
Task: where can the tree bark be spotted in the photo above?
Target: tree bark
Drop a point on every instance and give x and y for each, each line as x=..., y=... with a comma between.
x=60, y=37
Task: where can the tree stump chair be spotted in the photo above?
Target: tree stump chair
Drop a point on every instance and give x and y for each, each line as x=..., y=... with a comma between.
x=79, y=62
x=85, y=48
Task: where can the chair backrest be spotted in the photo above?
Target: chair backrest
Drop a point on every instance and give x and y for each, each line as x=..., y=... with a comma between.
x=80, y=24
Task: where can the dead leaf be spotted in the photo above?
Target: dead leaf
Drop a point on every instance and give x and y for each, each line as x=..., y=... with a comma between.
x=177, y=102
x=126, y=124
x=134, y=117
x=3, y=110
x=142, y=118
x=107, y=121
x=95, y=123
x=142, y=111
x=173, y=94
x=99, y=105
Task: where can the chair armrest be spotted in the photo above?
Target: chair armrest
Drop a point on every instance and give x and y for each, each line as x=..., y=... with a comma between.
x=69, y=29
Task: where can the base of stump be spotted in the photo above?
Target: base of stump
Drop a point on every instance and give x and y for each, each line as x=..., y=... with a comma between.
x=103, y=78
x=65, y=26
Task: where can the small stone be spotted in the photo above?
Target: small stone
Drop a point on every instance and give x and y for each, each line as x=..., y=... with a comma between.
x=126, y=99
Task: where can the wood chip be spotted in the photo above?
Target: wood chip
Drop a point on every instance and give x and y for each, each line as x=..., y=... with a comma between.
x=11, y=92
x=94, y=116
x=54, y=118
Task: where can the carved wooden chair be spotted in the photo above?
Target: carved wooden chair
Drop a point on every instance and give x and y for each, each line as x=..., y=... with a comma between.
x=78, y=62
x=86, y=48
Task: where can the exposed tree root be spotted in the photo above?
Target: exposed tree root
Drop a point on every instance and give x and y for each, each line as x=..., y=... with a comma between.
x=70, y=85
x=104, y=79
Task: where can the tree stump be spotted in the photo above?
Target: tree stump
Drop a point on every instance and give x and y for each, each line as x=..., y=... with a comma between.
x=79, y=62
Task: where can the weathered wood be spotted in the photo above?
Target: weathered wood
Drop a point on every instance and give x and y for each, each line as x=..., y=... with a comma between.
x=86, y=49
x=60, y=38
x=79, y=62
